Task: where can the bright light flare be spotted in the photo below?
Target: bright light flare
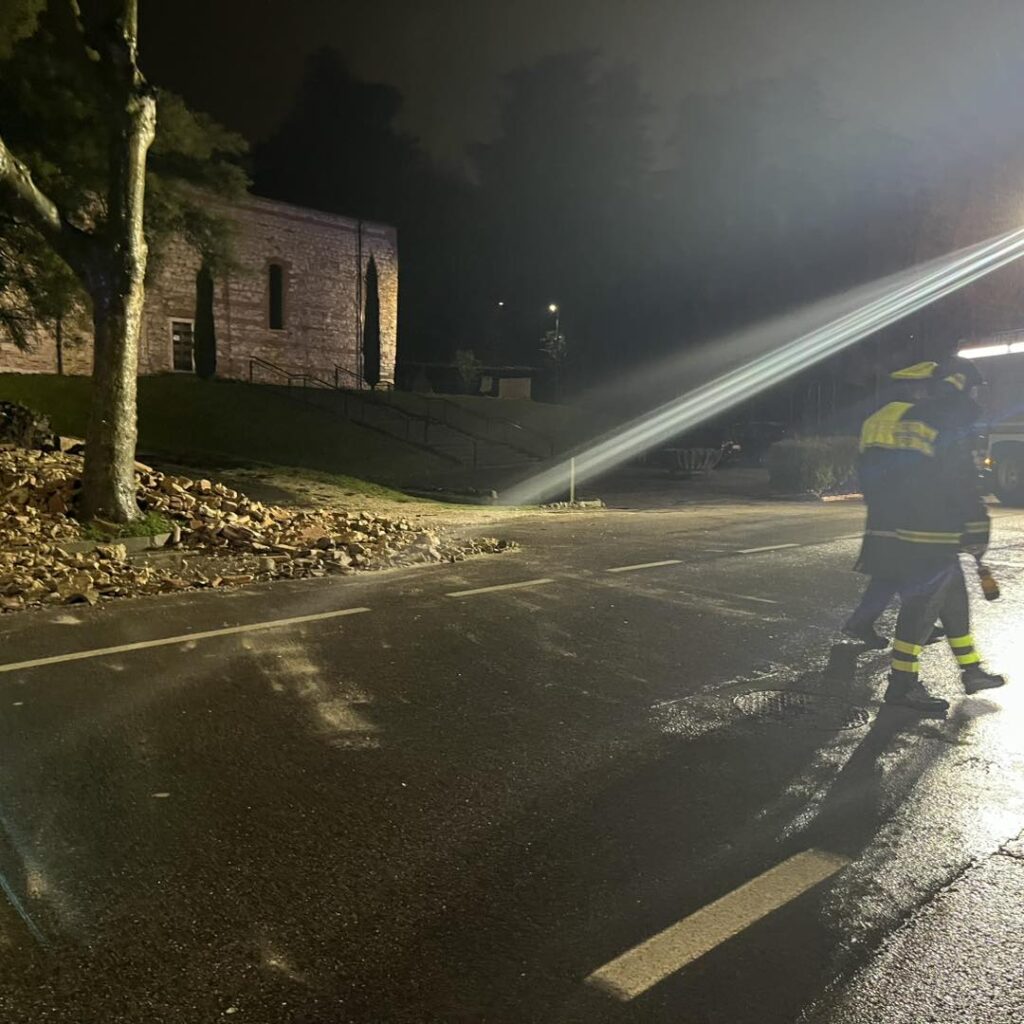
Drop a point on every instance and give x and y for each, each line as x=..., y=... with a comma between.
x=863, y=312
x=987, y=351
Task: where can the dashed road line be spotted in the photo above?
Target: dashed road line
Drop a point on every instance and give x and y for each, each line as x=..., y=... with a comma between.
x=500, y=586
x=643, y=966
x=750, y=597
x=100, y=652
x=770, y=547
x=645, y=565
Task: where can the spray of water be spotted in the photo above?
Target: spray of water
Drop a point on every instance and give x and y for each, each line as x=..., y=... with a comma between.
x=826, y=328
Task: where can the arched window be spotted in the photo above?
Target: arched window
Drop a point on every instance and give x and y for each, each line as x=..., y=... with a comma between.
x=275, y=300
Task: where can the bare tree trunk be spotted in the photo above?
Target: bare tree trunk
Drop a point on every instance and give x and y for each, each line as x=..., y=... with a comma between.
x=109, y=476
x=117, y=288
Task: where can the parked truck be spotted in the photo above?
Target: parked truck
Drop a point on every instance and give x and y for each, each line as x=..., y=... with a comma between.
x=1001, y=361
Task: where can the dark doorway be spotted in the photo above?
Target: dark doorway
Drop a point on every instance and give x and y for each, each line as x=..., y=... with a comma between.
x=371, y=328
x=205, y=337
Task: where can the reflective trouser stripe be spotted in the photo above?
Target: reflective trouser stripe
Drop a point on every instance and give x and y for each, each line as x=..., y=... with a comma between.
x=904, y=648
x=963, y=648
x=898, y=665
x=928, y=537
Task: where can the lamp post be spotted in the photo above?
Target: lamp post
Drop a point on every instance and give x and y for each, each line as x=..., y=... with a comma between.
x=555, y=312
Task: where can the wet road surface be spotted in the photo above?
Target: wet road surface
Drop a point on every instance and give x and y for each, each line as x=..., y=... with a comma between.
x=622, y=775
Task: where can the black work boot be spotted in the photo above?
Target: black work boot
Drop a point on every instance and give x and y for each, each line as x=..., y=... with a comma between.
x=866, y=635
x=912, y=694
x=975, y=678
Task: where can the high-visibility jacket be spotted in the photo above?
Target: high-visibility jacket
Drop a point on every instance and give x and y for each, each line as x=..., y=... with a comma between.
x=921, y=487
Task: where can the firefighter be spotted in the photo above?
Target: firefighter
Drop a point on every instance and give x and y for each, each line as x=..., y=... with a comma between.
x=925, y=508
x=908, y=386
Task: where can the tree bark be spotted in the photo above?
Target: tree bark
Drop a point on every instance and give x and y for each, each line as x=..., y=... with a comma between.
x=116, y=285
x=115, y=278
x=111, y=261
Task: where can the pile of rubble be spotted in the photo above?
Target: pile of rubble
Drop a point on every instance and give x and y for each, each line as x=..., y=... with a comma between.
x=25, y=428
x=222, y=537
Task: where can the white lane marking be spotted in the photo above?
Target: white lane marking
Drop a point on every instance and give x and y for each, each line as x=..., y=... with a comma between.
x=500, y=586
x=645, y=965
x=160, y=796
x=771, y=547
x=750, y=597
x=645, y=565
x=99, y=652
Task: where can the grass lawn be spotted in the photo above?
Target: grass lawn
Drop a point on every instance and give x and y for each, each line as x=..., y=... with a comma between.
x=213, y=422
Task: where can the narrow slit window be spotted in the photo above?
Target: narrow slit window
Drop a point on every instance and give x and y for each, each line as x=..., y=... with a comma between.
x=276, y=305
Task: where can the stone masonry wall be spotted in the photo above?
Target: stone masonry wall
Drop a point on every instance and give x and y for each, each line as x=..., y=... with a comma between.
x=324, y=260
x=41, y=355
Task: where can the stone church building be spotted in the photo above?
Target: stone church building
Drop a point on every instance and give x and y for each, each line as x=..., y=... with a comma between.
x=294, y=304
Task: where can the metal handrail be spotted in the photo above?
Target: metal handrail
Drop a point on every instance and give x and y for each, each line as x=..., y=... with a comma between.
x=359, y=408
x=455, y=416
x=360, y=382
x=338, y=370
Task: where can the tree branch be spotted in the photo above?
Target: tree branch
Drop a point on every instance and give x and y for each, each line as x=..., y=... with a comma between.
x=24, y=199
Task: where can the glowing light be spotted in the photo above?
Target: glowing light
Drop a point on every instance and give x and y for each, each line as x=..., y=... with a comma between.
x=861, y=313
x=985, y=351
x=553, y=308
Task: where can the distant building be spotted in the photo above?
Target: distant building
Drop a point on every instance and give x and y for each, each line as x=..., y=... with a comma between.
x=296, y=300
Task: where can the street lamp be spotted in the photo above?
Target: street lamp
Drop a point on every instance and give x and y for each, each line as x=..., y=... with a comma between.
x=554, y=311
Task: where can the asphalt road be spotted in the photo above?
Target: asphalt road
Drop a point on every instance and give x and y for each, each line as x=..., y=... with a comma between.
x=615, y=791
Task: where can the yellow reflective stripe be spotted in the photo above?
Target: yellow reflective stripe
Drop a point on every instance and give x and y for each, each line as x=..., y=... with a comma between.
x=928, y=537
x=905, y=666
x=961, y=641
x=969, y=659
x=881, y=533
x=877, y=430
x=919, y=371
x=914, y=432
x=888, y=429
x=982, y=524
x=904, y=648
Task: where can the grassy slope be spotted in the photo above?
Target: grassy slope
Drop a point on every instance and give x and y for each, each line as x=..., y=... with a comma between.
x=207, y=422
x=565, y=425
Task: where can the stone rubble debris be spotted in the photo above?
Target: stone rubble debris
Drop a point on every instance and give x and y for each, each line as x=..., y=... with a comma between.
x=223, y=538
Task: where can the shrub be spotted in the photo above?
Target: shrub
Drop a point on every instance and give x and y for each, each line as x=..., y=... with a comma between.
x=813, y=464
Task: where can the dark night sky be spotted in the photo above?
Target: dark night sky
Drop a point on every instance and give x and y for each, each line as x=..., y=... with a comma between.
x=911, y=66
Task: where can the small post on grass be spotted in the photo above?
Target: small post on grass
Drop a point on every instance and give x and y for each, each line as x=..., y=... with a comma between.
x=572, y=479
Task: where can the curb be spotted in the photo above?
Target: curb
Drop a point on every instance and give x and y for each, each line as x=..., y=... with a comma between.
x=817, y=498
